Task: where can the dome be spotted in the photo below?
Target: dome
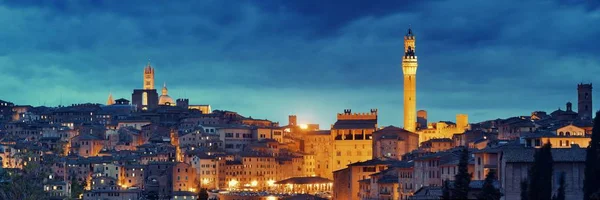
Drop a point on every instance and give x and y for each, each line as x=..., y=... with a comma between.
x=165, y=99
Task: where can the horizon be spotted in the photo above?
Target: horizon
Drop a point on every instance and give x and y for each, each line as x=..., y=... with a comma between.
x=269, y=60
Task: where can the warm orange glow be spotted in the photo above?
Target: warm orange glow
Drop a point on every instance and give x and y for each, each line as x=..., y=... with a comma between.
x=303, y=126
x=233, y=183
x=271, y=183
x=254, y=183
x=205, y=181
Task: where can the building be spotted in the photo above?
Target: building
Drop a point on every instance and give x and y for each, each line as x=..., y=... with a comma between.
x=409, y=69
x=146, y=98
x=437, y=144
x=319, y=143
x=205, y=109
x=514, y=164
x=352, y=137
x=584, y=101
x=165, y=99
x=538, y=139
x=346, y=182
x=392, y=142
x=444, y=129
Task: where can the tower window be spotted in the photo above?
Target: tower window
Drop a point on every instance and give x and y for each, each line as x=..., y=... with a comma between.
x=586, y=95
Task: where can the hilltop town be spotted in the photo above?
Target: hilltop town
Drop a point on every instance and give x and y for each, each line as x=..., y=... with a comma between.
x=156, y=147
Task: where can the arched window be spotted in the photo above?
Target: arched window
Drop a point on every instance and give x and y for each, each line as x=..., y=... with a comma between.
x=560, y=143
x=561, y=133
x=568, y=133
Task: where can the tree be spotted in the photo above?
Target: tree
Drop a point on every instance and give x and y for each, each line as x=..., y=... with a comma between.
x=27, y=184
x=446, y=190
x=489, y=192
x=463, y=178
x=540, y=174
x=77, y=187
x=203, y=194
x=524, y=190
x=560, y=194
x=591, y=183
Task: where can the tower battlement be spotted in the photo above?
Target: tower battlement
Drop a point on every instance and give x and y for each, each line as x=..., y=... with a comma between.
x=348, y=115
x=584, y=86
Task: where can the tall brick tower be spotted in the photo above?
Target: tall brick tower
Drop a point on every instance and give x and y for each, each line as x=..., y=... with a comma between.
x=148, y=77
x=584, y=101
x=409, y=69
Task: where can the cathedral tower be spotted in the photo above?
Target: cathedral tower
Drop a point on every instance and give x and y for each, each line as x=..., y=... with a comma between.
x=584, y=101
x=409, y=69
x=148, y=77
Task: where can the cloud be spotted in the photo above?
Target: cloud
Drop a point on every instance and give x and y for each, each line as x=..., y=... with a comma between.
x=268, y=59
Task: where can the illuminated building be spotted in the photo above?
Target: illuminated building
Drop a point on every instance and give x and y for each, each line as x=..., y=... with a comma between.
x=392, y=142
x=146, y=98
x=352, y=137
x=346, y=181
x=205, y=109
x=319, y=143
x=165, y=99
x=86, y=145
x=444, y=129
x=409, y=69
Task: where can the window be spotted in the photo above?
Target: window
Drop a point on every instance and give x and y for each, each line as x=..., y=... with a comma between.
x=568, y=144
x=479, y=161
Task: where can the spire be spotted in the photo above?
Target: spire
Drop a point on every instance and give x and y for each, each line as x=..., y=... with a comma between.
x=410, y=33
x=165, y=91
x=110, y=100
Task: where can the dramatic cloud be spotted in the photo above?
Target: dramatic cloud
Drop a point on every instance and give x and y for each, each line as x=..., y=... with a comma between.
x=271, y=58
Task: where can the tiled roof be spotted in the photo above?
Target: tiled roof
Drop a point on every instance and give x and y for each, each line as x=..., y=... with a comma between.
x=388, y=179
x=374, y=162
x=574, y=154
x=355, y=124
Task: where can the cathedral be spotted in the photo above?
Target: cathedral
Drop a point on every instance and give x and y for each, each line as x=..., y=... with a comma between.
x=147, y=98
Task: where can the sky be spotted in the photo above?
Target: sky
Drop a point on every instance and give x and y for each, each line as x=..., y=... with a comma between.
x=312, y=58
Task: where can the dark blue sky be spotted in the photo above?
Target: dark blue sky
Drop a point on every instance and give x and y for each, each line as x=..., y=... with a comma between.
x=271, y=58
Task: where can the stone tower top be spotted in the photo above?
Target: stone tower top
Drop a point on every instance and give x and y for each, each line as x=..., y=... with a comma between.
x=148, y=77
x=584, y=101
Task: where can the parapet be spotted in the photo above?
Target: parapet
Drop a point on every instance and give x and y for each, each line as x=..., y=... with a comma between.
x=348, y=115
x=584, y=86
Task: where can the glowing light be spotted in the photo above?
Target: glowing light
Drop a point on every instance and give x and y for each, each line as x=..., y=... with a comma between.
x=254, y=183
x=271, y=183
x=271, y=198
x=287, y=130
x=192, y=189
x=303, y=126
x=205, y=181
x=233, y=183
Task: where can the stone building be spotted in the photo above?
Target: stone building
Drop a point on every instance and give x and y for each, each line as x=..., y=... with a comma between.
x=352, y=137
x=392, y=142
x=515, y=163
x=319, y=143
x=146, y=98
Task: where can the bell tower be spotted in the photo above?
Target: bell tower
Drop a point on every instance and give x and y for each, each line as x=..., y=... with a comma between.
x=584, y=101
x=148, y=77
x=409, y=69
